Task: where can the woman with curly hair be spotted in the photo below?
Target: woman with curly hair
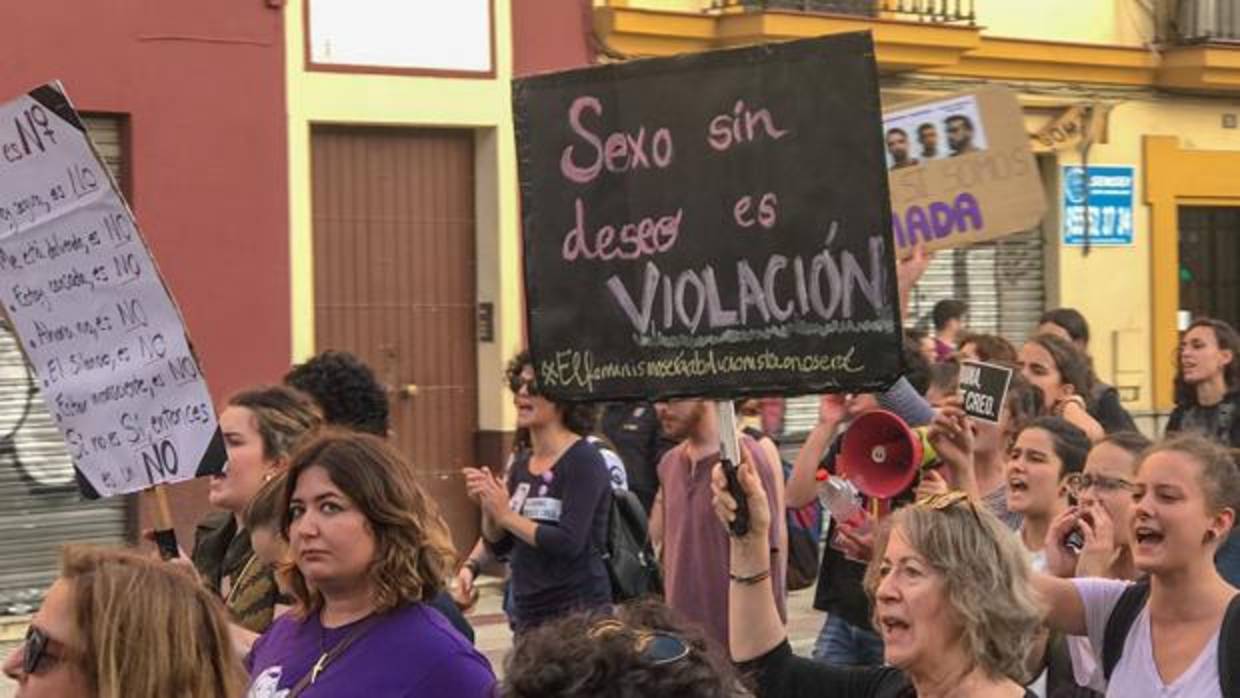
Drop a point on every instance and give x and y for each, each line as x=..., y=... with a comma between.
x=642, y=650
x=551, y=519
x=953, y=601
x=369, y=550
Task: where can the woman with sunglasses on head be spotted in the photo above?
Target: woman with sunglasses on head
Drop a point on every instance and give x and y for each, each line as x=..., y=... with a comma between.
x=642, y=649
x=951, y=595
x=551, y=519
x=1187, y=492
x=370, y=550
x=118, y=624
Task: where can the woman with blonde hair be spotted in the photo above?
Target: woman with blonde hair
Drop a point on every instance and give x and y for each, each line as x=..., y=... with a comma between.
x=952, y=601
x=118, y=624
x=369, y=550
x=260, y=427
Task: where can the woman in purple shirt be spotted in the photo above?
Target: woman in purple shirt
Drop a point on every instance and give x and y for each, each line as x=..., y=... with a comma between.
x=369, y=549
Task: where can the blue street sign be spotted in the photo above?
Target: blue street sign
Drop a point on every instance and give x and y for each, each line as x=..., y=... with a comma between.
x=1107, y=203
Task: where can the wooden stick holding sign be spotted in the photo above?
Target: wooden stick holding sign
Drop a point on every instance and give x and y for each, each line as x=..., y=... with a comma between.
x=105, y=341
x=729, y=448
x=165, y=531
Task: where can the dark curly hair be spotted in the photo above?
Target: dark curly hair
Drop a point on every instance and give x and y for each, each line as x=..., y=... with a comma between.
x=578, y=417
x=346, y=389
x=570, y=658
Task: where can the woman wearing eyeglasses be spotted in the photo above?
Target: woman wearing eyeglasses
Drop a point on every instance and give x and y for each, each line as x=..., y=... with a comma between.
x=1104, y=510
x=551, y=519
x=1103, y=525
x=952, y=602
x=118, y=624
x=1186, y=495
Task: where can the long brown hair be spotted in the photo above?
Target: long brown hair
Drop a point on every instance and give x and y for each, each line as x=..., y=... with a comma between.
x=413, y=550
x=1228, y=340
x=147, y=629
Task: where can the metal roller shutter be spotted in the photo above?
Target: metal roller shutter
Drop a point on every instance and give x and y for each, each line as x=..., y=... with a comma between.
x=1002, y=281
x=40, y=508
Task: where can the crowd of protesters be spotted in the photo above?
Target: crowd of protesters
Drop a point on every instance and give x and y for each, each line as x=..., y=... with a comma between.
x=1053, y=552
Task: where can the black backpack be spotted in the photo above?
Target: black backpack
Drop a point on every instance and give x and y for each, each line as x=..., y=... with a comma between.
x=629, y=556
x=1125, y=614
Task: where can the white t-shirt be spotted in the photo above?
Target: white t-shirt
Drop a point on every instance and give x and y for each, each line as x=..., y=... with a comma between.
x=1085, y=668
x=1136, y=675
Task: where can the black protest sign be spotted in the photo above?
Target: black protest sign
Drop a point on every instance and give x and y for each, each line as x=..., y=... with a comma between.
x=713, y=225
x=983, y=388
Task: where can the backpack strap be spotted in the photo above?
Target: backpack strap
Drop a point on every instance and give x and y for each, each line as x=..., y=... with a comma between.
x=1229, y=650
x=1120, y=622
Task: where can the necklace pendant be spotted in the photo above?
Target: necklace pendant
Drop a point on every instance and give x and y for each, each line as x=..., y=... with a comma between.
x=318, y=668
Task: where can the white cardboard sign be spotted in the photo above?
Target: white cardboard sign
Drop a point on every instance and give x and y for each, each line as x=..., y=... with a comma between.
x=103, y=335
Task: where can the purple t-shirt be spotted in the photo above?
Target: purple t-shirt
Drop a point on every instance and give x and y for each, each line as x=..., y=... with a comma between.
x=410, y=652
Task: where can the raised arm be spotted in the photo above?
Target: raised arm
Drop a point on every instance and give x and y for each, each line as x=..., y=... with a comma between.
x=754, y=626
x=803, y=484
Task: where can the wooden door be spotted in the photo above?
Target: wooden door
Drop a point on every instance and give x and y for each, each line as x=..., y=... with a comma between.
x=394, y=284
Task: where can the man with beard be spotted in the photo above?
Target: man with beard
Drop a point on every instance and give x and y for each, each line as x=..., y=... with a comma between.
x=960, y=134
x=695, y=549
x=897, y=146
x=928, y=137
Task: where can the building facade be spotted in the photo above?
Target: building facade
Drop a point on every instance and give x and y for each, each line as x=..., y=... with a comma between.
x=1154, y=88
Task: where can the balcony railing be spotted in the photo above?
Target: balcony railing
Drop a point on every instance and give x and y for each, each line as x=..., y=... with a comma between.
x=1201, y=21
x=930, y=11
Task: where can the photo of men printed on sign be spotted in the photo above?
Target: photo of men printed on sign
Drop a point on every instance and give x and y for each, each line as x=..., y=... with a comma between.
x=933, y=132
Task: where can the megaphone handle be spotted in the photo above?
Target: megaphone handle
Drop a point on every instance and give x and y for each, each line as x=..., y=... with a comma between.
x=731, y=458
x=740, y=524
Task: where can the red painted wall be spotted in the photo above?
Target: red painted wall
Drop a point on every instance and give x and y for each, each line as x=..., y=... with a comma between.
x=550, y=35
x=202, y=84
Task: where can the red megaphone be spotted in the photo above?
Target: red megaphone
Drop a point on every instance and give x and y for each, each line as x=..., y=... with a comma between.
x=881, y=455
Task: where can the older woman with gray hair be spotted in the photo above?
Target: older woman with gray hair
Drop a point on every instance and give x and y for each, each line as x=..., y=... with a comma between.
x=952, y=597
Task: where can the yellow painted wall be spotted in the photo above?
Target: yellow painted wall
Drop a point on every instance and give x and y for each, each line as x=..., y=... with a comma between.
x=1112, y=286
x=662, y=5
x=1117, y=22
x=482, y=104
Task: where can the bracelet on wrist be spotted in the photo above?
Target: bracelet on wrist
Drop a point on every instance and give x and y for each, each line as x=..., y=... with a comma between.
x=473, y=566
x=750, y=579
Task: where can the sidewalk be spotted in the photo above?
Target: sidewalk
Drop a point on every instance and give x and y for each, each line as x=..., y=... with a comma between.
x=493, y=638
